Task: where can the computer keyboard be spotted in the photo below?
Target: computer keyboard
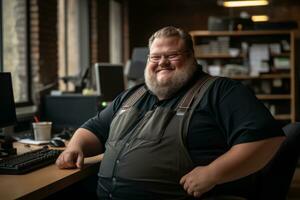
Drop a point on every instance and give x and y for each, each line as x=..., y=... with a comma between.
x=27, y=162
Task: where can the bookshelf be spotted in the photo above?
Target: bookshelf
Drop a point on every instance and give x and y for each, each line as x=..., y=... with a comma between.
x=262, y=60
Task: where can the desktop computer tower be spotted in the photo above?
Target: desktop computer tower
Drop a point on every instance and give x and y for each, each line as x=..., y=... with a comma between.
x=69, y=111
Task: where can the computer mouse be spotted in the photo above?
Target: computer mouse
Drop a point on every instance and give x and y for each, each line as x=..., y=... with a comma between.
x=57, y=142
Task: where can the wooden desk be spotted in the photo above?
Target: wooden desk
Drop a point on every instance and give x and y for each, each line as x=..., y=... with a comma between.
x=45, y=181
x=48, y=180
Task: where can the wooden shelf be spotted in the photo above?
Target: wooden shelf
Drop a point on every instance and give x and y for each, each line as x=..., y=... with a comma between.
x=206, y=41
x=262, y=76
x=285, y=54
x=219, y=56
x=283, y=117
x=273, y=96
x=237, y=33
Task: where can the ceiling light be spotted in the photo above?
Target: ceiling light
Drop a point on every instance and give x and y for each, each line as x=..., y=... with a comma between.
x=241, y=3
x=260, y=18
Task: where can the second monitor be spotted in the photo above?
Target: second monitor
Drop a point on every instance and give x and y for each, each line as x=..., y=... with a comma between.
x=109, y=80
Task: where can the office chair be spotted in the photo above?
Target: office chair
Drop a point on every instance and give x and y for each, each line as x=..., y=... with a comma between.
x=79, y=81
x=276, y=176
x=134, y=68
x=273, y=181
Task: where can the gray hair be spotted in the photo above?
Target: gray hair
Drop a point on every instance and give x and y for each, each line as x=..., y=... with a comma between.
x=171, y=31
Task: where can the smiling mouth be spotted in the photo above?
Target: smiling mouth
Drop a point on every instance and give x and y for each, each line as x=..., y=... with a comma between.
x=163, y=69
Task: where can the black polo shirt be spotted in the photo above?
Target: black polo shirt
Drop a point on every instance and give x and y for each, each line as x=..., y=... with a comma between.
x=228, y=114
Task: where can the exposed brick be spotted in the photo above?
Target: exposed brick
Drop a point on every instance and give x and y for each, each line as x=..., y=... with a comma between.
x=43, y=42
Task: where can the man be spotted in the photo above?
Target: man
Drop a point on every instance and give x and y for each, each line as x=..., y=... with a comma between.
x=153, y=150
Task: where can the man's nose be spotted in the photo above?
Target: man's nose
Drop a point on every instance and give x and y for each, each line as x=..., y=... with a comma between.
x=163, y=60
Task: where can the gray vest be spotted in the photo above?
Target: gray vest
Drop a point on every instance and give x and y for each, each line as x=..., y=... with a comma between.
x=151, y=148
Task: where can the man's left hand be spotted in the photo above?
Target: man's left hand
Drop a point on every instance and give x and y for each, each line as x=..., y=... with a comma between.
x=198, y=181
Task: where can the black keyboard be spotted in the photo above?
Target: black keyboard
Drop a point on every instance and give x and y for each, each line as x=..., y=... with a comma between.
x=27, y=162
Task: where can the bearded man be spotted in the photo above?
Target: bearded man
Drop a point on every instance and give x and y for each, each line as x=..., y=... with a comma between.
x=181, y=135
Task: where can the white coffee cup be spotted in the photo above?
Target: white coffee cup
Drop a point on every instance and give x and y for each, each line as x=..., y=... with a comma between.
x=42, y=130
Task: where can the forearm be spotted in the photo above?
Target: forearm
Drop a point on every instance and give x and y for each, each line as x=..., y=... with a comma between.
x=244, y=159
x=86, y=141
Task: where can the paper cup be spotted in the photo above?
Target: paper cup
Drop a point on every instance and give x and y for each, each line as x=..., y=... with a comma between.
x=42, y=130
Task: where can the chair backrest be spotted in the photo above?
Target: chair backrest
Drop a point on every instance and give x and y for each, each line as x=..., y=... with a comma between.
x=136, y=66
x=276, y=177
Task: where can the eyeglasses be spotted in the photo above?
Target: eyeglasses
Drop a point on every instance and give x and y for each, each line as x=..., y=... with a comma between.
x=174, y=56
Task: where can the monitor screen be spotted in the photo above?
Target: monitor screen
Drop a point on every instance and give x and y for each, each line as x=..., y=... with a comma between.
x=109, y=80
x=69, y=111
x=7, y=103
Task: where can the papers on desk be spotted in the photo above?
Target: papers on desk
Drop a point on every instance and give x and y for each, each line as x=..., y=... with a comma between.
x=258, y=56
x=35, y=142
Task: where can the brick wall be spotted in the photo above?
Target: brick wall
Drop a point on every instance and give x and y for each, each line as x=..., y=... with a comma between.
x=43, y=42
x=99, y=30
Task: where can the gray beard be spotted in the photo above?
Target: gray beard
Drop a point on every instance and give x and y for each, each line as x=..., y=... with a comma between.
x=167, y=89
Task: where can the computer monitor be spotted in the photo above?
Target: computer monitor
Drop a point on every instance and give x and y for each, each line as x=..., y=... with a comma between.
x=7, y=103
x=7, y=112
x=69, y=111
x=109, y=80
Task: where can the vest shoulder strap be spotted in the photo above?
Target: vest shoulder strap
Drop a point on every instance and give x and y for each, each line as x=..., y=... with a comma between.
x=196, y=91
x=193, y=101
x=134, y=98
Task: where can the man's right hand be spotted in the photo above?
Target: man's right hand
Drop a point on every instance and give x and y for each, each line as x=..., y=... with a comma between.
x=82, y=144
x=70, y=158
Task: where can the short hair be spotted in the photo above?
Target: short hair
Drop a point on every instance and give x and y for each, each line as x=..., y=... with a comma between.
x=171, y=31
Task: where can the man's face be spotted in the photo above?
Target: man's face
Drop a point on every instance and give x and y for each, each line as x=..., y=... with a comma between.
x=169, y=66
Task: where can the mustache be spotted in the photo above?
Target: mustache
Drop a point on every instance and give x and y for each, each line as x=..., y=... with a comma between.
x=162, y=67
